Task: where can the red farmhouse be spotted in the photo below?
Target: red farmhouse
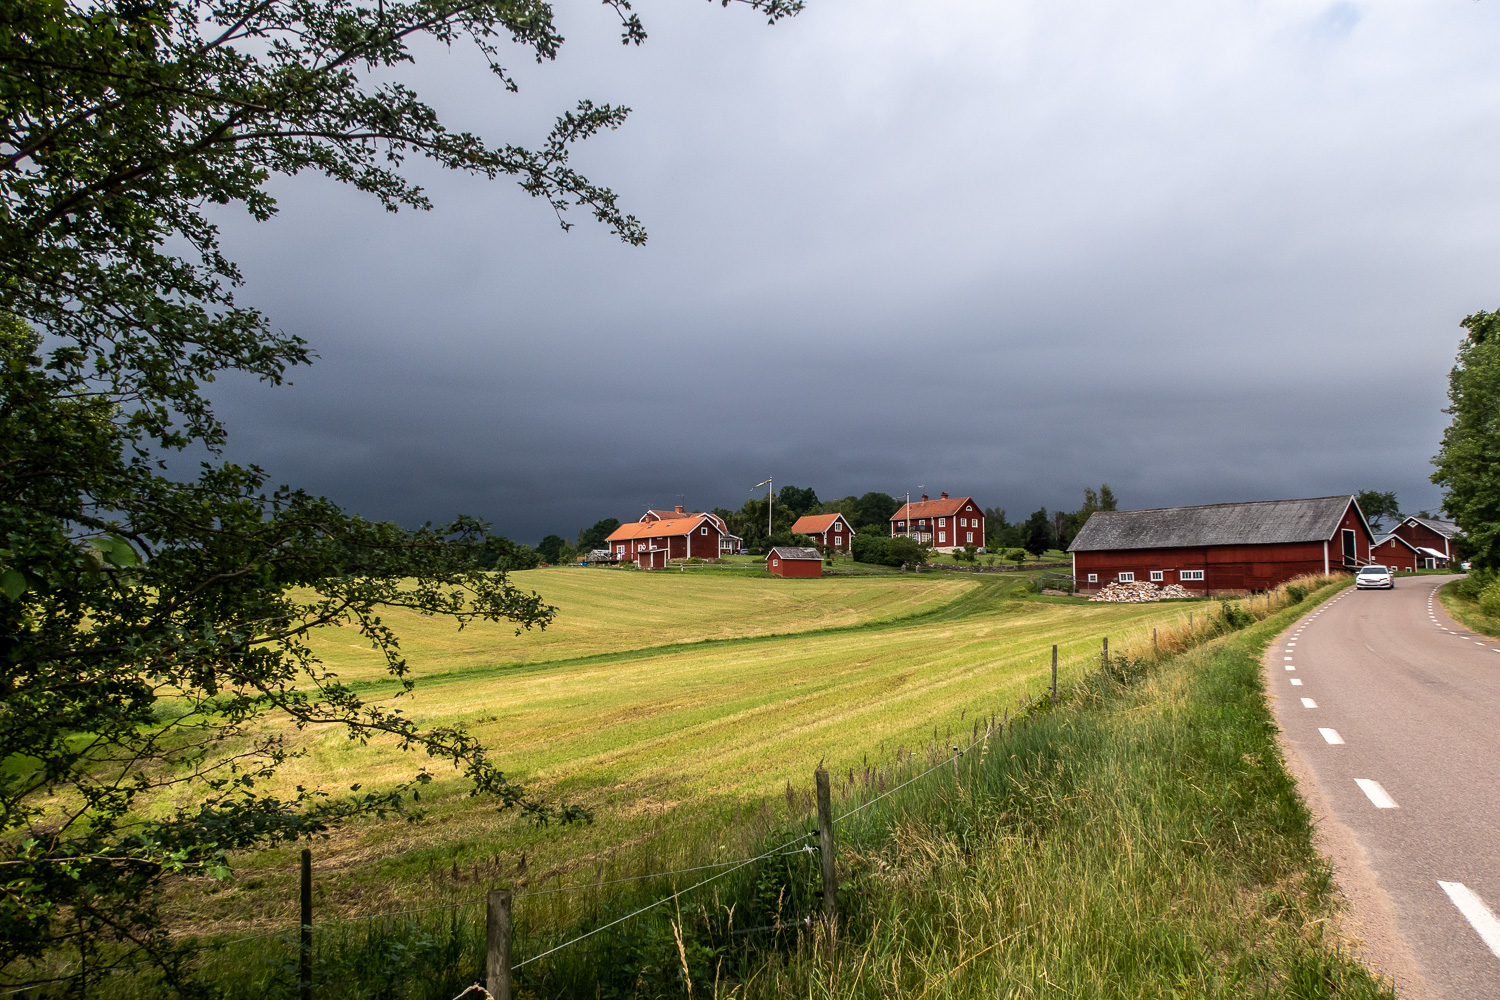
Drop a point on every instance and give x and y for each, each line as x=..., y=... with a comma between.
x=1223, y=547
x=1432, y=535
x=785, y=560
x=652, y=543
x=831, y=531
x=1396, y=552
x=947, y=524
x=727, y=543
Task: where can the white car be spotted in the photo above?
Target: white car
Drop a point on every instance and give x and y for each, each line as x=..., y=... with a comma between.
x=1374, y=578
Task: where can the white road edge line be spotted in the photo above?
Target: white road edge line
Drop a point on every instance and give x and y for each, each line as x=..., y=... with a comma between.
x=1331, y=736
x=1376, y=794
x=1476, y=913
x=1309, y=703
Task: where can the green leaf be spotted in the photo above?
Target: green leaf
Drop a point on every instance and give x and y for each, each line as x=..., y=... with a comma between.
x=12, y=584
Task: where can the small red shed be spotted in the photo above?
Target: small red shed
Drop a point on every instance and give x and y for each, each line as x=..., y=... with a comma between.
x=786, y=560
x=1396, y=552
x=832, y=531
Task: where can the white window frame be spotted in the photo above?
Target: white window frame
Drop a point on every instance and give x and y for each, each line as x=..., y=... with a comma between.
x=775, y=561
x=942, y=522
x=1190, y=574
x=1093, y=578
x=703, y=530
x=1156, y=576
x=1126, y=576
x=942, y=536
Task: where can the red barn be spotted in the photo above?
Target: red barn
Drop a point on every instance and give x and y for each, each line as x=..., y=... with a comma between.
x=652, y=543
x=786, y=560
x=832, y=531
x=1396, y=552
x=1431, y=534
x=947, y=524
x=1224, y=547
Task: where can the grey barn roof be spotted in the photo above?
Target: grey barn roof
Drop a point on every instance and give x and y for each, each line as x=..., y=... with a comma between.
x=1263, y=522
x=1447, y=528
x=794, y=552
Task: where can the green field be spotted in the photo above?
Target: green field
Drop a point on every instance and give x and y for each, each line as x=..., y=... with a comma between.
x=664, y=702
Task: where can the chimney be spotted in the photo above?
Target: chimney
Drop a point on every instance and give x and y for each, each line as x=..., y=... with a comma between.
x=944, y=496
x=924, y=497
x=678, y=508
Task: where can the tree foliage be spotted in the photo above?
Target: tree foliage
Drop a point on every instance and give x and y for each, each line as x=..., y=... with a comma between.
x=150, y=622
x=1378, y=507
x=1468, y=464
x=798, y=500
x=593, y=538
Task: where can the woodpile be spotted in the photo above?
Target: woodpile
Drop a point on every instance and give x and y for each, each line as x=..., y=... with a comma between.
x=1140, y=592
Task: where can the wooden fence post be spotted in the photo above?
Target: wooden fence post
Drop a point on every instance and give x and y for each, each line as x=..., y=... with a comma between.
x=825, y=848
x=304, y=963
x=1054, y=673
x=1155, y=650
x=497, y=934
x=1104, y=656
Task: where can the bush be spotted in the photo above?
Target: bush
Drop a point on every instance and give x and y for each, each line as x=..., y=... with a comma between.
x=1296, y=593
x=1489, y=600
x=1234, y=616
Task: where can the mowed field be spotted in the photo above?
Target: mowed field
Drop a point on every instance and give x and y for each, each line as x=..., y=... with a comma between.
x=662, y=701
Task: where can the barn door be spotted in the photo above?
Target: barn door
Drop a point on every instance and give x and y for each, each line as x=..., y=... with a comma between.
x=1349, y=558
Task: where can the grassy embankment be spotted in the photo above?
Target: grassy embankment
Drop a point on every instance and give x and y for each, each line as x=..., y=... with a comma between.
x=666, y=703
x=1464, y=607
x=1142, y=840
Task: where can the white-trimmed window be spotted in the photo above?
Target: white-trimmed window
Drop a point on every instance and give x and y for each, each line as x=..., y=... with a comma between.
x=619, y=550
x=1127, y=577
x=1156, y=576
x=942, y=537
x=703, y=530
x=775, y=561
x=1190, y=574
x=1093, y=578
x=942, y=522
x=969, y=537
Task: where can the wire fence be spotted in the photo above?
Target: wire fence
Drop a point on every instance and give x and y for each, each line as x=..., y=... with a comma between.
x=813, y=845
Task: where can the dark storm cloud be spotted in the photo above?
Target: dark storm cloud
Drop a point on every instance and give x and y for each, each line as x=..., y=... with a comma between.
x=1201, y=254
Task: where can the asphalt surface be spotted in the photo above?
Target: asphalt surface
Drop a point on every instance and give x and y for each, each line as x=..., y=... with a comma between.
x=1394, y=733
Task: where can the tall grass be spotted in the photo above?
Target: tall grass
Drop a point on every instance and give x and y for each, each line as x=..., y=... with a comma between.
x=1142, y=839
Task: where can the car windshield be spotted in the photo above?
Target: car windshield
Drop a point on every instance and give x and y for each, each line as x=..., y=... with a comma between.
x=1373, y=570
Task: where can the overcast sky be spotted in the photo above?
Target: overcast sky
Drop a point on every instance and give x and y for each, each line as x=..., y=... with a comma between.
x=1200, y=251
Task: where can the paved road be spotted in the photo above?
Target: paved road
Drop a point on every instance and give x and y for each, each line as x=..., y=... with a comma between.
x=1392, y=710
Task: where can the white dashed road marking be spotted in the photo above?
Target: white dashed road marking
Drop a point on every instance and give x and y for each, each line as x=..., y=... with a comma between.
x=1476, y=913
x=1290, y=667
x=1376, y=794
x=1296, y=682
x=1332, y=736
x=1309, y=703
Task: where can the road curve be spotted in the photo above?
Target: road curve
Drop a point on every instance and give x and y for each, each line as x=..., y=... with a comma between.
x=1390, y=718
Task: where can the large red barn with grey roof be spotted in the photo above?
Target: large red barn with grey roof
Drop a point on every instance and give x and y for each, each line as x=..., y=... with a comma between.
x=1222, y=548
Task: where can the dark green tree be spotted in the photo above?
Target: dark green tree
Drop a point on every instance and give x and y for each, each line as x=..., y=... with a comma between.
x=1107, y=499
x=502, y=554
x=798, y=500
x=122, y=585
x=1378, y=507
x=875, y=509
x=551, y=548
x=593, y=538
x=1468, y=464
x=1037, y=533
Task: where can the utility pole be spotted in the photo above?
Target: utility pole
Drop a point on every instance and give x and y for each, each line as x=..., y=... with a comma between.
x=770, y=500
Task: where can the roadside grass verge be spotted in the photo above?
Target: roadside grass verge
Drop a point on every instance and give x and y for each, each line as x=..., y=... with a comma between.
x=1142, y=839
x=1466, y=610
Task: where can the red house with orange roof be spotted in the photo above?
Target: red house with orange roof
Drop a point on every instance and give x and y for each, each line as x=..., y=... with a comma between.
x=728, y=543
x=832, y=532
x=948, y=524
x=652, y=544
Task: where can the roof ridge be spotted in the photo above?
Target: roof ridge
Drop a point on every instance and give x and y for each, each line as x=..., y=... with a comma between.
x=1224, y=503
